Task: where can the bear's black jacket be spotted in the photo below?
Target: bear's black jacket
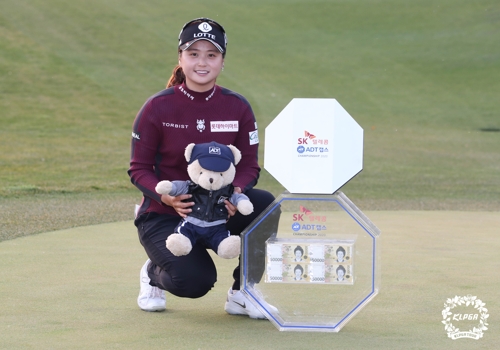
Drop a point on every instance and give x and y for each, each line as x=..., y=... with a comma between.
x=209, y=205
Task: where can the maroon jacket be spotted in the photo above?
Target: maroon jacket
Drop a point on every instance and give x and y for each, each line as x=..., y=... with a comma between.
x=176, y=117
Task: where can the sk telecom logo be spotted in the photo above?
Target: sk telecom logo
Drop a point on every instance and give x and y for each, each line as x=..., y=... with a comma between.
x=311, y=146
x=305, y=215
x=306, y=220
x=307, y=136
x=303, y=211
x=298, y=219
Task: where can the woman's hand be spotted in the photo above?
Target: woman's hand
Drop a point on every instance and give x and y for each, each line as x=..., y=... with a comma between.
x=231, y=209
x=182, y=208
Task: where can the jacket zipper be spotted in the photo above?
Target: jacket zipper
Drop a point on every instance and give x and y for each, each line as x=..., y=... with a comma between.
x=208, y=206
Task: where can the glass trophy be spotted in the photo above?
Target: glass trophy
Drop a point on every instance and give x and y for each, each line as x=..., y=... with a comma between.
x=310, y=261
x=319, y=267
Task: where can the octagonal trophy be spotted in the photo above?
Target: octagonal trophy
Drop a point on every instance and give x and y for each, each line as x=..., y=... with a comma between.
x=310, y=261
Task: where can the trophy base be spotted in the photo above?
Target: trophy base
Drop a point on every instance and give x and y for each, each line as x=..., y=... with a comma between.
x=319, y=267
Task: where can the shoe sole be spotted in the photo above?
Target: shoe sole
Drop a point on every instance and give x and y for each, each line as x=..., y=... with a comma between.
x=237, y=312
x=157, y=309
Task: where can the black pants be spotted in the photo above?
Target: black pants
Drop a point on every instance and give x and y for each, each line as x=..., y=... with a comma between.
x=193, y=275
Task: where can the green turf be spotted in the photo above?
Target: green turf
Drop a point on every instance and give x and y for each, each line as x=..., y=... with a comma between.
x=420, y=77
x=77, y=289
x=41, y=213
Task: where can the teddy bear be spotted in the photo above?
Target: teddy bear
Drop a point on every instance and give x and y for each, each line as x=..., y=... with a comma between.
x=211, y=169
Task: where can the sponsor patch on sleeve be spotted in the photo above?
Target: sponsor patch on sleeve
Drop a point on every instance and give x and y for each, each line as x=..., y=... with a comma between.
x=253, y=137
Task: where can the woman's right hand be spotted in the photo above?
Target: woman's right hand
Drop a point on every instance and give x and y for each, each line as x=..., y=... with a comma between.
x=182, y=208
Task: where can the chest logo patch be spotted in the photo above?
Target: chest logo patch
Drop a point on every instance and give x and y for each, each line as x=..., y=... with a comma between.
x=224, y=126
x=200, y=124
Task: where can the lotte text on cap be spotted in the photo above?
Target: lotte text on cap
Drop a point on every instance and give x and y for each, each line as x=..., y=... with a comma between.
x=203, y=29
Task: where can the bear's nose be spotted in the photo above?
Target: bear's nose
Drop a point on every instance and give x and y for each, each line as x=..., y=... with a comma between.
x=211, y=180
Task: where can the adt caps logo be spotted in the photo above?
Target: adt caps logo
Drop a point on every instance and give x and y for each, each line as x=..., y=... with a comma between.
x=214, y=150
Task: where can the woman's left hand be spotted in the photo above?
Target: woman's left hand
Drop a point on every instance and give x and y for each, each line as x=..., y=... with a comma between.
x=231, y=209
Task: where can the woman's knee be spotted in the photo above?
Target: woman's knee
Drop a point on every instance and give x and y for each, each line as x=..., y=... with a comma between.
x=261, y=199
x=191, y=276
x=190, y=286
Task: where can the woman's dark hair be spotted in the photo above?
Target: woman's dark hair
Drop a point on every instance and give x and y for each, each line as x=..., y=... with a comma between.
x=177, y=77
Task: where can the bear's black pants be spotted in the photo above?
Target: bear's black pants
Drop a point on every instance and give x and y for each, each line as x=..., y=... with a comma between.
x=193, y=275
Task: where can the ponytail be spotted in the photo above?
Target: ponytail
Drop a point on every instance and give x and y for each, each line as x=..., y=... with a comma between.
x=177, y=77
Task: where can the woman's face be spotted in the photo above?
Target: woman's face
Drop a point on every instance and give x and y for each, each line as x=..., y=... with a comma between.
x=201, y=64
x=298, y=254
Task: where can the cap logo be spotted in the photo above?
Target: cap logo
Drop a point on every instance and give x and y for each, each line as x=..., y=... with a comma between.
x=214, y=150
x=205, y=27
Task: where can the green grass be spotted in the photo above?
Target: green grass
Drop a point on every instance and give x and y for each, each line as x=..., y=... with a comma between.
x=421, y=78
x=77, y=289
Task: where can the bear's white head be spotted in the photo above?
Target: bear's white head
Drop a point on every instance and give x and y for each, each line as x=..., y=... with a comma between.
x=212, y=165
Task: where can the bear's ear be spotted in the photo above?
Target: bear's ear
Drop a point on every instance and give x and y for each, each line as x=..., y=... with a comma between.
x=188, y=152
x=236, y=154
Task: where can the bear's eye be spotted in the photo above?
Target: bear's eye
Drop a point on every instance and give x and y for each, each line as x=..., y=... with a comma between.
x=221, y=175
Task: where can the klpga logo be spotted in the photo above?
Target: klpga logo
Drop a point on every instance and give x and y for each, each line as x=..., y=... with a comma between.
x=468, y=308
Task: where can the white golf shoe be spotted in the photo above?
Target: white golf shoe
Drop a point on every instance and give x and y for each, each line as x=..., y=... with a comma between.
x=237, y=303
x=150, y=298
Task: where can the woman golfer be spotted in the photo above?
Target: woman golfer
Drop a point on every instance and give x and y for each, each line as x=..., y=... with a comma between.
x=192, y=109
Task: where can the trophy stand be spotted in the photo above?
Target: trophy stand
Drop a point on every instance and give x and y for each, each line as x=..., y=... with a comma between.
x=320, y=264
